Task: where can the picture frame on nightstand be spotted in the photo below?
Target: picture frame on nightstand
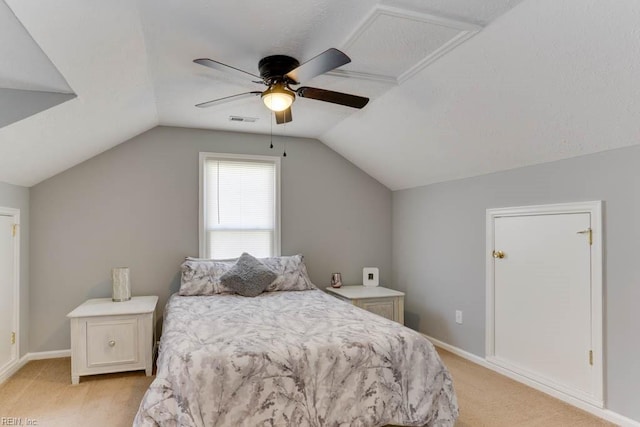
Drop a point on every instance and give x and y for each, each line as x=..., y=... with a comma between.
x=370, y=276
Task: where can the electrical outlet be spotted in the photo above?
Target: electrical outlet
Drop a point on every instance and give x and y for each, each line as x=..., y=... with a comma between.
x=459, y=317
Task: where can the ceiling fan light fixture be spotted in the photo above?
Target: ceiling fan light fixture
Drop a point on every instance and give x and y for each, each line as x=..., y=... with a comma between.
x=278, y=98
x=277, y=72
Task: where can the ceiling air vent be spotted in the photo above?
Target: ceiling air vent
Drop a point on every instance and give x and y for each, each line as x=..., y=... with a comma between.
x=243, y=119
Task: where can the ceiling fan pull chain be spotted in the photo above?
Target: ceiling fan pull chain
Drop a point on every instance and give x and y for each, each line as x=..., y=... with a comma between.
x=271, y=134
x=284, y=130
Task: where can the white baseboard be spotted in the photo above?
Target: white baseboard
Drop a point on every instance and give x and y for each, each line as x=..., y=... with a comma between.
x=604, y=413
x=9, y=371
x=48, y=354
x=29, y=357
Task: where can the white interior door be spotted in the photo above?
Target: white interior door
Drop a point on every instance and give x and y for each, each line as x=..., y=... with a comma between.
x=8, y=353
x=545, y=310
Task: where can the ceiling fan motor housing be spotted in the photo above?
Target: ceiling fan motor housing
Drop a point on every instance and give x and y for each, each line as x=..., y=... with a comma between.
x=273, y=68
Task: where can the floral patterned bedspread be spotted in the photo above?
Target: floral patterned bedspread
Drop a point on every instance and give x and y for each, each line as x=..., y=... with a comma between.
x=292, y=359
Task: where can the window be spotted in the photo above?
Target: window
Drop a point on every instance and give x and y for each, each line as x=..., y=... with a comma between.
x=239, y=205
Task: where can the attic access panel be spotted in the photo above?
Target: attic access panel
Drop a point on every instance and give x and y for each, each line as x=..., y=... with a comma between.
x=394, y=44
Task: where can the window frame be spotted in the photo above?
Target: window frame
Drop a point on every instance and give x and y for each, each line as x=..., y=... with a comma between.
x=203, y=157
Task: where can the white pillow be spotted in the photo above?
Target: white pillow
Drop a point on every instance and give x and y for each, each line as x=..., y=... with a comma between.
x=201, y=276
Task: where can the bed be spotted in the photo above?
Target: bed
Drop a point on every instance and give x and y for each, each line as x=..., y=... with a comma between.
x=292, y=358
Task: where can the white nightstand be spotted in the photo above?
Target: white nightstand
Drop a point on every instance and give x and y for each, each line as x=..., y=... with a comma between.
x=109, y=336
x=376, y=299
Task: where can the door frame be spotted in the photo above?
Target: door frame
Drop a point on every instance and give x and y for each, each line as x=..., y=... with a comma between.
x=15, y=214
x=594, y=208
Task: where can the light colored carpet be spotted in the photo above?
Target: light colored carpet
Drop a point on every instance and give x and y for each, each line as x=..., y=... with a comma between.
x=42, y=391
x=492, y=400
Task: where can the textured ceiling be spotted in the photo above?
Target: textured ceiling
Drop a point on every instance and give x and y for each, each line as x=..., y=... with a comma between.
x=542, y=80
x=549, y=80
x=241, y=33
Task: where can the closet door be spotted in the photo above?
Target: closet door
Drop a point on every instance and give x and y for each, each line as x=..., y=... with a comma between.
x=8, y=353
x=543, y=299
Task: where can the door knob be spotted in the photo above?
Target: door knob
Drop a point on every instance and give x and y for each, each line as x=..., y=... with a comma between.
x=498, y=254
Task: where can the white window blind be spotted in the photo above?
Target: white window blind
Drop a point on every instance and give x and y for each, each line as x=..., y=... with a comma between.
x=240, y=207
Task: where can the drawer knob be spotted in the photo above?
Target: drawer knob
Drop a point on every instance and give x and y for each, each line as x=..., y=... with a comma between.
x=112, y=343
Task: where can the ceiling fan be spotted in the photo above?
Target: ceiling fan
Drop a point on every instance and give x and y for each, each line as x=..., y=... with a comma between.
x=279, y=73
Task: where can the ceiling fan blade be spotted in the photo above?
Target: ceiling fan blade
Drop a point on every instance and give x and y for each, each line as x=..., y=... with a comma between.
x=223, y=67
x=353, y=101
x=283, y=116
x=228, y=99
x=326, y=61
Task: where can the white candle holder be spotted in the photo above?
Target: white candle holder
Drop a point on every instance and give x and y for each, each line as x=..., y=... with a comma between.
x=121, y=284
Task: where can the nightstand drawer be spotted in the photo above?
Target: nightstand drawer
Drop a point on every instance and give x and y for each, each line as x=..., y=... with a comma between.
x=112, y=342
x=384, y=302
x=385, y=307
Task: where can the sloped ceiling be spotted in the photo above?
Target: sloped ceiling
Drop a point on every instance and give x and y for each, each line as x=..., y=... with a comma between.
x=548, y=80
x=29, y=82
x=99, y=49
x=241, y=33
x=458, y=87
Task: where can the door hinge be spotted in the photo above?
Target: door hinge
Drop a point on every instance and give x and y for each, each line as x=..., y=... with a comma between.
x=14, y=230
x=588, y=231
x=591, y=357
x=13, y=337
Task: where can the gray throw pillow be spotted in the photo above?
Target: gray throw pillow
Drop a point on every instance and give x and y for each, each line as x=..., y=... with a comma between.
x=248, y=277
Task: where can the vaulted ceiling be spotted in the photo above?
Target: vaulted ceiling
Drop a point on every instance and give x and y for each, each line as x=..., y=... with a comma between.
x=29, y=82
x=458, y=87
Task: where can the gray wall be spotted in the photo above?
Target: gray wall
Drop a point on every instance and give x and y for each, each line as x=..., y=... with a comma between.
x=439, y=253
x=13, y=196
x=136, y=205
